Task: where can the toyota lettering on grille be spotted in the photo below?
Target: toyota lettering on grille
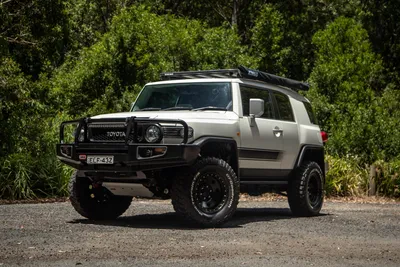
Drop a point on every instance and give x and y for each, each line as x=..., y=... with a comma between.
x=116, y=134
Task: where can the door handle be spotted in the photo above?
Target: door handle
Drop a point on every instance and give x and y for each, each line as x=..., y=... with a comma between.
x=277, y=131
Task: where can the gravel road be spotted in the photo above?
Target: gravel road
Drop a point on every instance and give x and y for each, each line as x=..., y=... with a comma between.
x=149, y=234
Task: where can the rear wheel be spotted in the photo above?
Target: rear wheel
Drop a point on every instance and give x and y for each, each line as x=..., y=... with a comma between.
x=206, y=193
x=306, y=194
x=94, y=201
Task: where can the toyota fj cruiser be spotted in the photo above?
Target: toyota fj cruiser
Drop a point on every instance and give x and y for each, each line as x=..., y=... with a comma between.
x=199, y=138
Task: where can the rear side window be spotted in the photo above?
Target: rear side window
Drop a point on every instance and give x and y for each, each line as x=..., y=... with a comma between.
x=310, y=113
x=248, y=92
x=284, y=107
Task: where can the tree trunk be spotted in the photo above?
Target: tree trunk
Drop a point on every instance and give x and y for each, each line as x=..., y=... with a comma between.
x=372, y=183
x=235, y=13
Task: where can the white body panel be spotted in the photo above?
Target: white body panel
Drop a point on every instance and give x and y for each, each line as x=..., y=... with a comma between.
x=260, y=137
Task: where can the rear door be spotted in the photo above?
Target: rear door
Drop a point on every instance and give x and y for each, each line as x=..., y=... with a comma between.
x=261, y=144
x=290, y=130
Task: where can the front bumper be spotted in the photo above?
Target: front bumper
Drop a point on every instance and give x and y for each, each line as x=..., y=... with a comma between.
x=127, y=158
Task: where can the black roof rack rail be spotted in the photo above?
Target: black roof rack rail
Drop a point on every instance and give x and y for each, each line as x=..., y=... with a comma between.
x=240, y=72
x=225, y=73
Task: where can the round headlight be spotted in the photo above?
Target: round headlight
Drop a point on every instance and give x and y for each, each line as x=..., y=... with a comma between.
x=153, y=134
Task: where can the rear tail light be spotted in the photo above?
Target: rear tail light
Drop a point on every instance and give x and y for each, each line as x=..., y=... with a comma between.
x=324, y=136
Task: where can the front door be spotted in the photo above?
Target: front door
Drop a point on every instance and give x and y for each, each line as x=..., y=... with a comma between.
x=261, y=144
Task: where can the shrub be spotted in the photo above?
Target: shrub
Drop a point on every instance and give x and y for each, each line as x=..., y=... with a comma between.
x=345, y=177
x=388, y=178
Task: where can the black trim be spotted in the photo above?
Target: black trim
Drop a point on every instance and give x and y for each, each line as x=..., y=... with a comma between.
x=258, y=154
x=204, y=140
x=248, y=174
x=316, y=151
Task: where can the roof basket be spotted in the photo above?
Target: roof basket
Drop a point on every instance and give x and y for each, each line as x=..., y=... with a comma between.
x=240, y=72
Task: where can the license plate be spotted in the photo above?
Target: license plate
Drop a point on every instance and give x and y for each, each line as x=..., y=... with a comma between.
x=100, y=159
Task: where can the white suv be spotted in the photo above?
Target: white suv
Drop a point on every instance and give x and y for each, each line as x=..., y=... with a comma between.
x=199, y=138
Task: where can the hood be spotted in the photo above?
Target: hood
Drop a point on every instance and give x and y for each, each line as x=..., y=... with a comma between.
x=183, y=115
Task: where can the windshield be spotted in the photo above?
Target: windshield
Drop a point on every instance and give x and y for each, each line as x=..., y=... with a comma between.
x=185, y=96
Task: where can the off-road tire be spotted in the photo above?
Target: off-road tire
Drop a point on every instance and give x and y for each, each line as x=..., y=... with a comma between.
x=307, y=177
x=183, y=197
x=91, y=208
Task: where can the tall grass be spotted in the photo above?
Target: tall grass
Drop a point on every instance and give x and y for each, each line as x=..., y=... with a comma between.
x=345, y=177
x=24, y=177
x=16, y=179
x=388, y=178
x=34, y=170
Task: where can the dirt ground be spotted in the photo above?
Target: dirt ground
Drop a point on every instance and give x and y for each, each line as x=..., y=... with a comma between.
x=262, y=233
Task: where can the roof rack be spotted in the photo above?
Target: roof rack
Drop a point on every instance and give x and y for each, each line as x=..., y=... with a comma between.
x=240, y=72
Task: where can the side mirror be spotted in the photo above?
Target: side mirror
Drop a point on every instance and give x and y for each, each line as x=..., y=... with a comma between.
x=256, y=110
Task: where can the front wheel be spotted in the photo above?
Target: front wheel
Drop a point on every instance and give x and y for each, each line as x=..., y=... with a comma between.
x=94, y=201
x=206, y=193
x=305, y=193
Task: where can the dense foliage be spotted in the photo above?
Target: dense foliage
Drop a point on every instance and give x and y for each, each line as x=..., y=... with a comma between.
x=68, y=58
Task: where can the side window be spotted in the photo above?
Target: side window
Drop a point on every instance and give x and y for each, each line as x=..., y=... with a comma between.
x=310, y=113
x=284, y=107
x=248, y=92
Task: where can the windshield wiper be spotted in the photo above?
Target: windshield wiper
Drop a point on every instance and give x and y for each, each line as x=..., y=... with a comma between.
x=210, y=108
x=178, y=108
x=148, y=109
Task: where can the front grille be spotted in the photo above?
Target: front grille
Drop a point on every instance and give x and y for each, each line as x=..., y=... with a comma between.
x=172, y=131
x=108, y=133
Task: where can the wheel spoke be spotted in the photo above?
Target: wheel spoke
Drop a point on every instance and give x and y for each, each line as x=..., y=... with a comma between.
x=210, y=193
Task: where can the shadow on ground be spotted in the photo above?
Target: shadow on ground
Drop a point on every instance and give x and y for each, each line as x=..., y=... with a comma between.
x=171, y=220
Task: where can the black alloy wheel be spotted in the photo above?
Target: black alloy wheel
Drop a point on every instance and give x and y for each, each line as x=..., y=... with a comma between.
x=209, y=192
x=206, y=193
x=306, y=190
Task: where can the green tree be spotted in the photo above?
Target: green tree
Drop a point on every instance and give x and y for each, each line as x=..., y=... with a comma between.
x=283, y=30
x=381, y=19
x=139, y=46
x=342, y=88
x=34, y=34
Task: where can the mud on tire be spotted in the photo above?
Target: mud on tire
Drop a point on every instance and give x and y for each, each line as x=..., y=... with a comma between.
x=305, y=192
x=206, y=193
x=95, y=204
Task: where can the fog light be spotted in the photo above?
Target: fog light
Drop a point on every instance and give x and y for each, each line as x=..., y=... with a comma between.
x=151, y=152
x=148, y=152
